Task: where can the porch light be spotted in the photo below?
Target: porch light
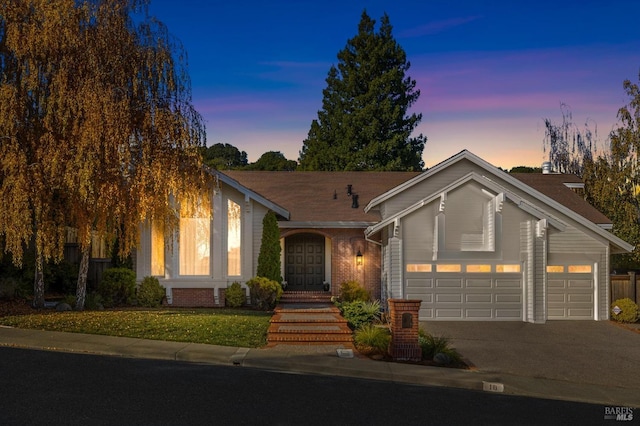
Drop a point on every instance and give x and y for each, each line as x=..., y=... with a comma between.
x=359, y=258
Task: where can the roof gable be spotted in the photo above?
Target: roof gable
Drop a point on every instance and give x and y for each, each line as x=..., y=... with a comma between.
x=576, y=207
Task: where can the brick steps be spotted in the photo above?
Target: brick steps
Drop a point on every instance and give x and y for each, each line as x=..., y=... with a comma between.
x=305, y=297
x=305, y=319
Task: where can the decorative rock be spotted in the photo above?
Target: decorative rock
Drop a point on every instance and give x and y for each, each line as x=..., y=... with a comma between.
x=61, y=307
x=441, y=359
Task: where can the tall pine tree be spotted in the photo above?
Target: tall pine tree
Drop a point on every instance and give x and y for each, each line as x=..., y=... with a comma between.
x=363, y=124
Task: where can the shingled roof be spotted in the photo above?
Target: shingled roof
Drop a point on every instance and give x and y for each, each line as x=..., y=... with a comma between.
x=556, y=187
x=320, y=198
x=309, y=196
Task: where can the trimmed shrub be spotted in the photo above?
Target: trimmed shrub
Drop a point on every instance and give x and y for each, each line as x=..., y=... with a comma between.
x=352, y=290
x=628, y=313
x=434, y=345
x=150, y=292
x=118, y=287
x=235, y=296
x=372, y=340
x=93, y=302
x=358, y=313
x=265, y=293
x=269, y=255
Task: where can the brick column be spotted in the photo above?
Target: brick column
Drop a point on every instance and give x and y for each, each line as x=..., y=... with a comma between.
x=404, y=329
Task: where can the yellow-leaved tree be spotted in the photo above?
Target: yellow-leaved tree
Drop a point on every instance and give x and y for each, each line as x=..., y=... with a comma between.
x=97, y=128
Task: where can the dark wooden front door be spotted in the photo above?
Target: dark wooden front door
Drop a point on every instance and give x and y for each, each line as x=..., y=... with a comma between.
x=304, y=262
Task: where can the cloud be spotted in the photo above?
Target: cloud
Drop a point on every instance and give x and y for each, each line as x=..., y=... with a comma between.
x=436, y=27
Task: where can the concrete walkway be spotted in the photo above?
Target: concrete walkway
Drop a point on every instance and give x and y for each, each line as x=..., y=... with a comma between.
x=325, y=361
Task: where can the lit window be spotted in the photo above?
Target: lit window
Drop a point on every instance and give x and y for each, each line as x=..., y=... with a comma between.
x=579, y=269
x=233, y=238
x=478, y=268
x=555, y=268
x=448, y=268
x=418, y=267
x=98, y=247
x=157, y=248
x=195, y=245
x=508, y=268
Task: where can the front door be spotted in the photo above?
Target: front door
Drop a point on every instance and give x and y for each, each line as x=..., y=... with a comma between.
x=304, y=262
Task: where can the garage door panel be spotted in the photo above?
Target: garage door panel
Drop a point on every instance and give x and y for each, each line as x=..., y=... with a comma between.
x=473, y=283
x=479, y=313
x=580, y=298
x=557, y=298
x=448, y=283
x=555, y=312
x=449, y=298
x=577, y=312
x=478, y=298
x=556, y=284
x=582, y=284
x=509, y=298
x=514, y=314
x=418, y=291
x=570, y=297
x=448, y=313
x=419, y=283
x=468, y=297
x=425, y=313
x=509, y=284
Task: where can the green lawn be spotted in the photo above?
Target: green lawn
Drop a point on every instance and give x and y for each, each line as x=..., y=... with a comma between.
x=226, y=327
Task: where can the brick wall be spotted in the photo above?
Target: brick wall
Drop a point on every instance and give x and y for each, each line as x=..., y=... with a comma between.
x=194, y=297
x=345, y=244
x=404, y=329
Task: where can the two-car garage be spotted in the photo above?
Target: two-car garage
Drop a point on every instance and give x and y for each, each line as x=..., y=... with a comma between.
x=501, y=296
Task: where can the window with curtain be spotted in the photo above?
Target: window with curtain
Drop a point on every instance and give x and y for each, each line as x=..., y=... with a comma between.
x=234, y=238
x=157, y=248
x=195, y=243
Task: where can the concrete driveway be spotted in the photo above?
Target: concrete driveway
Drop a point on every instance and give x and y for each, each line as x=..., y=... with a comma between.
x=593, y=352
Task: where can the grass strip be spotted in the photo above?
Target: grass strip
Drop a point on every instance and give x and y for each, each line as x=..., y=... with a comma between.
x=225, y=327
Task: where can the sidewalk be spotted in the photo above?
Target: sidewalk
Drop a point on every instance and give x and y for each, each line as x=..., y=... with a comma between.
x=320, y=360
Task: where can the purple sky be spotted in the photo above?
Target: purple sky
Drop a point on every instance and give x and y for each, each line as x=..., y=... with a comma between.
x=489, y=72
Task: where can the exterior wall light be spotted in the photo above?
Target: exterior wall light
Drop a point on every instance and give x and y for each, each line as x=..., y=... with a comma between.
x=359, y=258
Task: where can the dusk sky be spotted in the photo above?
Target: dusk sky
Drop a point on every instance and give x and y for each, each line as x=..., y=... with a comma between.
x=489, y=72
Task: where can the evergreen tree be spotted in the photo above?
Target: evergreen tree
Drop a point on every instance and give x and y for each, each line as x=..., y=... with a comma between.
x=363, y=124
x=269, y=256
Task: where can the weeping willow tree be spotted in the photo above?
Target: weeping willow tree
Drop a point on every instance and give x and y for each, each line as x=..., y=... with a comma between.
x=97, y=127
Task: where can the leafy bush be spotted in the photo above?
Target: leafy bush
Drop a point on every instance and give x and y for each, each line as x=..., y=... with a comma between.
x=63, y=277
x=235, y=296
x=629, y=310
x=358, y=313
x=433, y=345
x=69, y=299
x=150, y=292
x=352, y=290
x=372, y=340
x=118, y=286
x=93, y=302
x=9, y=288
x=265, y=293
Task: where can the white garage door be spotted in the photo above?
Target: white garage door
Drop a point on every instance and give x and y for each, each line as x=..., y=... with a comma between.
x=570, y=296
x=470, y=297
